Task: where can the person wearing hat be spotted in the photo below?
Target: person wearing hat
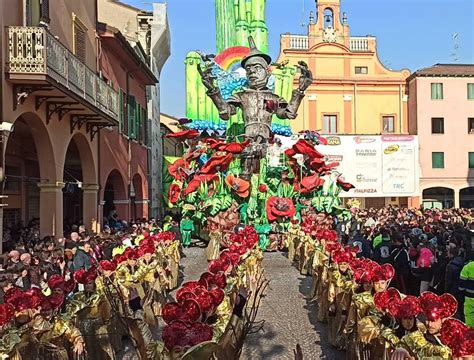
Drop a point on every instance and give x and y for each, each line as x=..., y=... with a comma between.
x=362, y=301
x=405, y=312
x=257, y=102
x=426, y=343
x=339, y=293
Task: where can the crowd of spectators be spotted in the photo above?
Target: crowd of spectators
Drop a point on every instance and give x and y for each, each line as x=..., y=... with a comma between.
x=428, y=249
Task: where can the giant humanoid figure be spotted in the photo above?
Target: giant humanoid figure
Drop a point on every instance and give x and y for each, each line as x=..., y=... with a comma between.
x=257, y=102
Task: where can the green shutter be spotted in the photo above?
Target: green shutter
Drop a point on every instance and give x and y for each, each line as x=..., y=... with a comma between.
x=436, y=91
x=470, y=91
x=437, y=160
x=138, y=122
x=121, y=110
x=471, y=160
x=132, y=116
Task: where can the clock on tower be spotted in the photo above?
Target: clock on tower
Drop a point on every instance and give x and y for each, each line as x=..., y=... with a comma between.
x=329, y=35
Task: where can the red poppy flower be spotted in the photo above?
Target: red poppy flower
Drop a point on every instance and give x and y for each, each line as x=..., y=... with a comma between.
x=174, y=193
x=193, y=155
x=234, y=148
x=179, y=169
x=197, y=180
x=184, y=135
x=345, y=185
x=310, y=183
x=217, y=163
x=262, y=188
x=305, y=148
x=317, y=163
x=279, y=207
x=240, y=186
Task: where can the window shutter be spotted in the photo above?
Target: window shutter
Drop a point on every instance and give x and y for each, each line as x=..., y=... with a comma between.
x=470, y=91
x=138, y=123
x=45, y=11
x=471, y=160
x=437, y=160
x=132, y=116
x=80, y=33
x=121, y=110
x=437, y=91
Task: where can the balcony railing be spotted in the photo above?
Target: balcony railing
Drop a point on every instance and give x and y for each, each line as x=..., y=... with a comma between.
x=359, y=44
x=33, y=50
x=301, y=42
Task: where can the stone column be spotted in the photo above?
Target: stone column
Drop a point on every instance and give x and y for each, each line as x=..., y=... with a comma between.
x=457, y=196
x=89, y=201
x=51, y=209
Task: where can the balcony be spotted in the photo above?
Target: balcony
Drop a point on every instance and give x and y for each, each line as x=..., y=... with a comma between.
x=359, y=44
x=301, y=42
x=36, y=57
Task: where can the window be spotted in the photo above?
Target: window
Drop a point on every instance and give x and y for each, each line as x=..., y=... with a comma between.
x=436, y=91
x=388, y=123
x=437, y=125
x=471, y=160
x=470, y=91
x=132, y=117
x=32, y=12
x=361, y=70
x=80, y=33
x=330, y=124
x=470, y=125
x=437, y=160
x=45, y=12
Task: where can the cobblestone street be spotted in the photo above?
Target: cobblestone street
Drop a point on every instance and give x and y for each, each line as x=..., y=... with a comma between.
x=289, y=318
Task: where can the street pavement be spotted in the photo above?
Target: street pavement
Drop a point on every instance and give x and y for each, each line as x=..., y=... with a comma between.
x=289, y=316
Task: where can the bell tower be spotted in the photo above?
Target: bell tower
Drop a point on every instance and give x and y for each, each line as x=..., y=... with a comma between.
x=330, y=26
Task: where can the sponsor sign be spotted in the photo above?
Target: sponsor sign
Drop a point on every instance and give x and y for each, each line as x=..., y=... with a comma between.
x=378, y=166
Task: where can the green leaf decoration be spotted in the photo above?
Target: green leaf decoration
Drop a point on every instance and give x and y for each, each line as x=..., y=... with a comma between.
x=191, y=198
x=226, y=202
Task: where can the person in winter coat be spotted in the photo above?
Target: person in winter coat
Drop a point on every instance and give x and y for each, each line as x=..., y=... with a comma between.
x=423, y=270
x=467, y=287
x=401, y=262
x=363, y=244
x=82, y=259
x=452, y=277
x=382, y=247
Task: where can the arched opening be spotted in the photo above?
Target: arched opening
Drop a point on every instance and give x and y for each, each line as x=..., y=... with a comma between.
x=137, y=197
x=72, y=191
x=29, y=160
x=78, y=174
x=114, y=200
x=466, y=197
x=328, y=18
x=438, y=197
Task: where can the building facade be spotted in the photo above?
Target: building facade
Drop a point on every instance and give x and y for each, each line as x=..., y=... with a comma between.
x=353, y=93
x=441, y=113
x=148, y=33
x=73, y=99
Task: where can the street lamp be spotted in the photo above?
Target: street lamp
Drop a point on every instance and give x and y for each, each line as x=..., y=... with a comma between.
x=6, y=129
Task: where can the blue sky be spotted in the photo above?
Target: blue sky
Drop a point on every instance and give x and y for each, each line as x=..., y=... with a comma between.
x=410, y=33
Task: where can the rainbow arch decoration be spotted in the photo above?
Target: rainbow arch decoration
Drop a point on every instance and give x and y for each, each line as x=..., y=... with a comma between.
x=229, y=59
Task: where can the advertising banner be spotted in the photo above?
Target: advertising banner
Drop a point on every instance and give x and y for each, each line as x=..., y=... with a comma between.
x=378, y=166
